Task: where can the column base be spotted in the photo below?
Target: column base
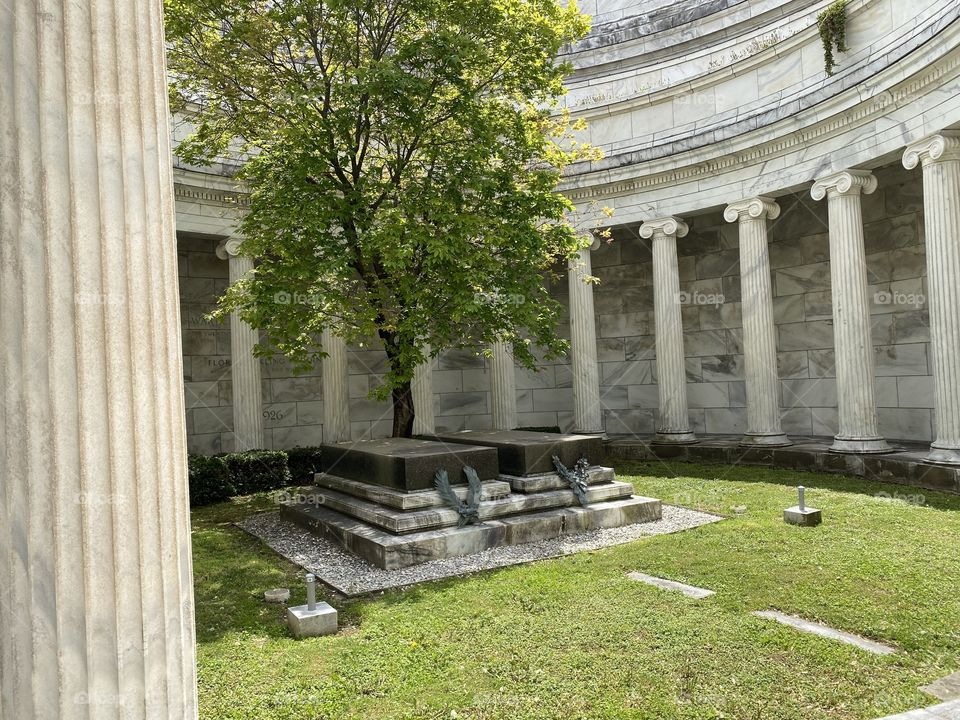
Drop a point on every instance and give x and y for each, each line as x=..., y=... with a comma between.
x=943, y=455
x=860, y=446
x=667, y=437
x=765, y=440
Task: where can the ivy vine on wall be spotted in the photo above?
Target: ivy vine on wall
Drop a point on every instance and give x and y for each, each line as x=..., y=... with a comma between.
x=833, y=31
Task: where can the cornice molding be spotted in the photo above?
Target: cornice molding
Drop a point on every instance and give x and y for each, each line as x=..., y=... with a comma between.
x=905, y=93
x=705, y=80
x=192, y=193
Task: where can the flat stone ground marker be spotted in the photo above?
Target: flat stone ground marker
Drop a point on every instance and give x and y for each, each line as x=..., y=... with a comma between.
x=826, y=631
x=688, y=590
x=946, y=711
x=277, y=595
x=947, y=688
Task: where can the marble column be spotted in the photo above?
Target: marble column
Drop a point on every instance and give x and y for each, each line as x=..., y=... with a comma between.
x=940, y=156
x=674, y=418
x=759, y=331
x=503, y=388
x=587, y=411
x=424, y=422
x=853, y=345
x=336, y=389
x=244, y=367
x=95, y=570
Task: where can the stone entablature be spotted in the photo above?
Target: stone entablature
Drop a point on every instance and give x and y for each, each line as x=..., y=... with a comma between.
x=769, y=65
x=677, y=151
x=670, y=46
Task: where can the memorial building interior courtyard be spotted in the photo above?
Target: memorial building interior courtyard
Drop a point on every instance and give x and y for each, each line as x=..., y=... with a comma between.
x=735, y=493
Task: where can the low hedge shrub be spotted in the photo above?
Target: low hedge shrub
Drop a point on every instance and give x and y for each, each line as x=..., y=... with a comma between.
x=258, y=470
x=304, y=463
x=209, y=480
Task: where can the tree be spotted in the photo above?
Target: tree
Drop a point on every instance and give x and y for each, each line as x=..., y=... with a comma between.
x=401, y=158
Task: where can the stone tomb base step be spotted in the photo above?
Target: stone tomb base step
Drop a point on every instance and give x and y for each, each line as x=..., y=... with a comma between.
x=377, y=498
x=400, y=500
x=596, y=475
x=409, y=521
x=391, y=551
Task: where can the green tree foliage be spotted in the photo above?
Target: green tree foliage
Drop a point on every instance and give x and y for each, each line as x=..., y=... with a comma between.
x=401, y=158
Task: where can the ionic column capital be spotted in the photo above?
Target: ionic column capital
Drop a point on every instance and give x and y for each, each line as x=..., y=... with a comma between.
x=666, y=225
x=755, y=208
x=846, y=182
x=942, y=147
x=229, y=248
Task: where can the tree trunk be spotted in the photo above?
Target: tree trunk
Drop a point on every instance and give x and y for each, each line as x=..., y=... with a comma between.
x=403, y=411
x=402, y=395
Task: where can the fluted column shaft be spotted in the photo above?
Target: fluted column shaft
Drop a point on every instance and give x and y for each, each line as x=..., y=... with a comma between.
x=244, y=367
x=940, y=156
x=424, y=422
x=336, y=389
x=587, y=411
x=759, y=330
x=853, y=344
x=95, y=567
x=503, y=387
x=674, y=418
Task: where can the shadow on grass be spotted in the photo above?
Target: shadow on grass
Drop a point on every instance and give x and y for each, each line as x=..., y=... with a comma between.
x=788, y=478
x=232, y=569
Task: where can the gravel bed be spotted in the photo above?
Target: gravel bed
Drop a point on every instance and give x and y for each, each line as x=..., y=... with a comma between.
x=352, y=576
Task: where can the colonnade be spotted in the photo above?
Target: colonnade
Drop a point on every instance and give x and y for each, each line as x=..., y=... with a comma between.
x=858, y=430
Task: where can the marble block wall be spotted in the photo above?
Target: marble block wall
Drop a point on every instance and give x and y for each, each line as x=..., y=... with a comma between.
x=896, y=271
x=461, y=386
x=292, y=405
x=710, y=290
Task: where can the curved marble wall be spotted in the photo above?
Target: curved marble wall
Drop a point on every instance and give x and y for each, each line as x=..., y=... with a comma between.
x=700, y=104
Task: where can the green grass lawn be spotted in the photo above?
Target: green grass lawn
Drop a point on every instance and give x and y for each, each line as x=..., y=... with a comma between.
x=574, y=638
